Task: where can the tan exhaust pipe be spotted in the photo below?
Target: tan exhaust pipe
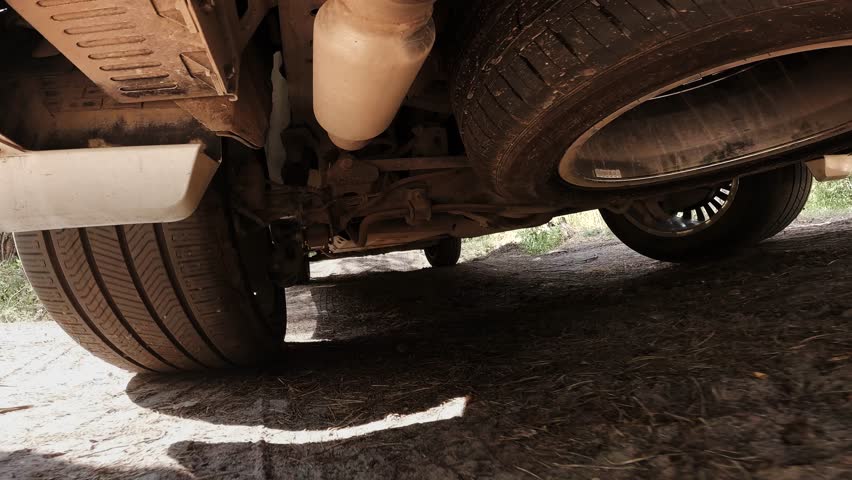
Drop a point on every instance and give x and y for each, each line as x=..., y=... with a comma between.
x=367, y=54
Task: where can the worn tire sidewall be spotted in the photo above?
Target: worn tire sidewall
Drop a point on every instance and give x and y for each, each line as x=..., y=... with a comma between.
x=525, y=166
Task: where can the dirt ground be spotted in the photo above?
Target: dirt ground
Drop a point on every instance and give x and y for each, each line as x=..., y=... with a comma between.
x=589, y=363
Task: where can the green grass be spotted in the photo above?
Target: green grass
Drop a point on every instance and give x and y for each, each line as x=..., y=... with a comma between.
x=559, y=232
x=830, y=197
x=827, y=199
x=473, y=248
x=543, y=239
x=18, y=301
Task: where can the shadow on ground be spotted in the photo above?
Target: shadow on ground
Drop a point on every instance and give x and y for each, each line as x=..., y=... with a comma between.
x=37, y=464
x=594, y=363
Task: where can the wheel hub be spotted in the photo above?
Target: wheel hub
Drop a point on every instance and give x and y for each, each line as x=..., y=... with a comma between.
x=683, y=213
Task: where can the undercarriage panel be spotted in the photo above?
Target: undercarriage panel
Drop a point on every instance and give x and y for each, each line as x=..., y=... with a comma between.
x=134, y=50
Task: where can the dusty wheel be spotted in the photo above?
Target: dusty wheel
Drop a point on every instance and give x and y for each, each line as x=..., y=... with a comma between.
x=527, y=70
x=445, y=253
x=160, y=297
x=709, y=222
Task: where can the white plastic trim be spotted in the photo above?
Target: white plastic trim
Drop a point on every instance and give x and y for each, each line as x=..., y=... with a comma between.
x=101, y=186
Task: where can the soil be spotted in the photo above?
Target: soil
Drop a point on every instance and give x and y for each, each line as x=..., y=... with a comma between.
x=588, y=363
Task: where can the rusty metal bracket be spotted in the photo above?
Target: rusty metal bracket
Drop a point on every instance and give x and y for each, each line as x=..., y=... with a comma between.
x=419, y=206
x=226, y=34
x=245, y=119
x=348, y=175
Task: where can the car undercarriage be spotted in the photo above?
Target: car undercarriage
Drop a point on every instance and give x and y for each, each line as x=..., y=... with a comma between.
x=355, y=127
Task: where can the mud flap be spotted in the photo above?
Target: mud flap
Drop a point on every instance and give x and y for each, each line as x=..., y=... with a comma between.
x=101, y=186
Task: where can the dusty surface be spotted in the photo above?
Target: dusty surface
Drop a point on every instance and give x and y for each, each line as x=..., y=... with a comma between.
x=593, y=363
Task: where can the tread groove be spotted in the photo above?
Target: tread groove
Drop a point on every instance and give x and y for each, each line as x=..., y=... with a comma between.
x=669, y=9
x=564, y=42
x=146, y=300
x=172, y=275
x=668, y=6
x=105, y=293
x=159, y=297
x=487, y=116
x=534, y=70
x=614, y=20
x=512, y=88
x=75, y=304
x=589, y=32
x=699, y=9
x=792, y=198
x=499, y=104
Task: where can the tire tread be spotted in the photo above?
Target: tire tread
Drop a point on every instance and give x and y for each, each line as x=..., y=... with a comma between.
x=542, y=53
x=150, y=297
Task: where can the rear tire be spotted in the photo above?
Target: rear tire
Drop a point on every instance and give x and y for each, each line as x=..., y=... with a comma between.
x=159, y=297
x=445, y=253
x=527, y=70
x=764, y=205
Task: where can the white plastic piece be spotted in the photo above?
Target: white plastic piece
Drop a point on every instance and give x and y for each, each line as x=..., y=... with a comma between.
x=101, y=186
x=831, y=167
x=367, y=54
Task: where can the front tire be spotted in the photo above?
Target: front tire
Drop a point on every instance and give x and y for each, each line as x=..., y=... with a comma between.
x=159, y=297
x=760, y=207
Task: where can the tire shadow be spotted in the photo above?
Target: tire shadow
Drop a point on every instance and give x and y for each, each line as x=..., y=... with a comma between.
x=601, y=354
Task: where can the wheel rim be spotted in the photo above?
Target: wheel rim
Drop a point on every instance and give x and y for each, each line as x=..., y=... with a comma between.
x=683, y=214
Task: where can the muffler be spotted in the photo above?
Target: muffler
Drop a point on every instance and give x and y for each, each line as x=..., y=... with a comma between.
x=367, y=54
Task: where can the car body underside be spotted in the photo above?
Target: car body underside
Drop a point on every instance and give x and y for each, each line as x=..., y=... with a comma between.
x=120, y=111
x=91, y=77
x=169, y=167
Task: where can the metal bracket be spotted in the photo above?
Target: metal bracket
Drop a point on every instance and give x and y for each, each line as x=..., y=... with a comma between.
x=226, y=35
x=419, y=207
x=348, y=175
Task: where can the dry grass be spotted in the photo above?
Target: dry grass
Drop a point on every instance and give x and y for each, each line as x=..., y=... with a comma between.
x=18, y=301
x=559, y=233
x=829, y=199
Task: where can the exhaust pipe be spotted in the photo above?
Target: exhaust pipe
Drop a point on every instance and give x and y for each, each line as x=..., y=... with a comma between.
x=367, y=54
